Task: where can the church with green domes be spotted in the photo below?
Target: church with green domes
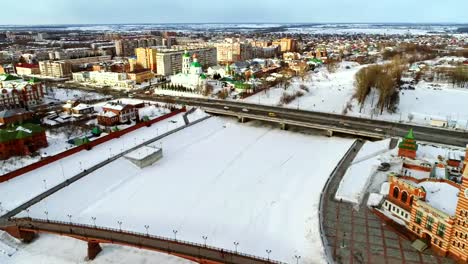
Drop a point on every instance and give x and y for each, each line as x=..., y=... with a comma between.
x=192, y=76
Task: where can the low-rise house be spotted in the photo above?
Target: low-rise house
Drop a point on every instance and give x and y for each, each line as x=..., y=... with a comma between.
x=21, y=140
x=115, y=112
x=14, y=116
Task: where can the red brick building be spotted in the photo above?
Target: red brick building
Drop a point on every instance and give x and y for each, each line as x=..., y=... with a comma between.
x=14, y=116
x=16, y=93
x=434, y=210
x=115, y=113
x=21, y=140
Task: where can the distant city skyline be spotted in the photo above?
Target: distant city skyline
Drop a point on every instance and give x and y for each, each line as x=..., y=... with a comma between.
x=29, y=12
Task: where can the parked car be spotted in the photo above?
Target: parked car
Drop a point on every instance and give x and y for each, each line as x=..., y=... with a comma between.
x=384, y=166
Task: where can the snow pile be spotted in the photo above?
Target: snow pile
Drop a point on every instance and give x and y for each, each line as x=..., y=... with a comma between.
x=152, y=111
x=374, y=199
x=227, y=181
x=5, y=249
x=385, y=188
x=441, y=196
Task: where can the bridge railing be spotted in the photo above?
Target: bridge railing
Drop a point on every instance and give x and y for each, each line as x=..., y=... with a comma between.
x=29, y=223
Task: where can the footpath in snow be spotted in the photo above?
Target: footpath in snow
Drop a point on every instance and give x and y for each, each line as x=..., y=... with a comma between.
x=258, y=186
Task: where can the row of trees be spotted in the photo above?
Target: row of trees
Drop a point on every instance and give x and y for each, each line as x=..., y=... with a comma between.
x=176, y=87
x=386, y=79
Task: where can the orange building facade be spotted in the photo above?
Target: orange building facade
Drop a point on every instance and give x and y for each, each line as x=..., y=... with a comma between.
x=446, y=234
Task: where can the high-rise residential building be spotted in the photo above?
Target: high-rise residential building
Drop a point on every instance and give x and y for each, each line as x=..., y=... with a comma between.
x=146, y=58
x=286, y=44
x=126, y=47
x=229, y=52
x=169, y=61
x=57, y=69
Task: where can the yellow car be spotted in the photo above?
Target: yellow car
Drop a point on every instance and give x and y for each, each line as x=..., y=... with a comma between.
x=271, y=114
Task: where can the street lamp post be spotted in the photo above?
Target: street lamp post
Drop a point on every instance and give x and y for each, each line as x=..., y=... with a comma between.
x=94, y=221
x=45, y=184
x=120, y=225
x=27, y=212
x=147, y=227
x=205, y=238
x=297, y=257
x=47, y=215
x=236, y=244
x=175, y=234
x=268, y=251
x=70, y=217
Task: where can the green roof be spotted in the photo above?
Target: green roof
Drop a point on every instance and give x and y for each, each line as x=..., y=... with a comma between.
x=19, y=132
x=96, y=131
x=196, y=64
x=81, y=141
x=8, y=77
x=186, y=54
x=203, y=76
x=410, y=134
x=34, y=80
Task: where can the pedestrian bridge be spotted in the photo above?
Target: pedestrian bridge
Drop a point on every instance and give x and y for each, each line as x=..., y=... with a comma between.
x=26, y=229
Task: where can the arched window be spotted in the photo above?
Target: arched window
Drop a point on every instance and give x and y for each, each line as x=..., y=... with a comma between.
x=396, y=192
x=404, y=196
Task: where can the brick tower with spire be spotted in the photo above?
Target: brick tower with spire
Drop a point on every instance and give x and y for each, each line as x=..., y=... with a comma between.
x=408, y=147
x=459, y=237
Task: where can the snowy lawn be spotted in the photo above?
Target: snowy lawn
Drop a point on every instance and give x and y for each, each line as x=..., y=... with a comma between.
x=333, y=92
x=255, y=185
x=51, y=249
x=36, y=182
x=55, y=94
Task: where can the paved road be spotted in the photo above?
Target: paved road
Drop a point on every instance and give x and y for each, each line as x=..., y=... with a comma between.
x=105, y=235
x=325, y=121
x=359, y=236
x=17, y=210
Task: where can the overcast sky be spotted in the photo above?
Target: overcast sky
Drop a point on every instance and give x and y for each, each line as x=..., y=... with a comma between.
x=201, y=11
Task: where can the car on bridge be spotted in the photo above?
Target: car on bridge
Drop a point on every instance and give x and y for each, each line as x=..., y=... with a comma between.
x=272, y=114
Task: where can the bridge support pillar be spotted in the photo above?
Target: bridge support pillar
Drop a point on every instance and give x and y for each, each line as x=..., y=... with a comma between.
x=242, y=119
x=24, y=236
x=93, y=249
x=284, y=126
x=329, y=133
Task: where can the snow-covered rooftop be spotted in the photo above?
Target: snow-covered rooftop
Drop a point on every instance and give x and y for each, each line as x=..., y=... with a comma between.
x=441, y=196
x=142, y=153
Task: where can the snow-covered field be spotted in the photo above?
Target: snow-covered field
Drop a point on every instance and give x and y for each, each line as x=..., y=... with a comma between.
x=55, y=94
x=39, y=180
x=332, y=92
x=252, y=184
x=51, y=249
